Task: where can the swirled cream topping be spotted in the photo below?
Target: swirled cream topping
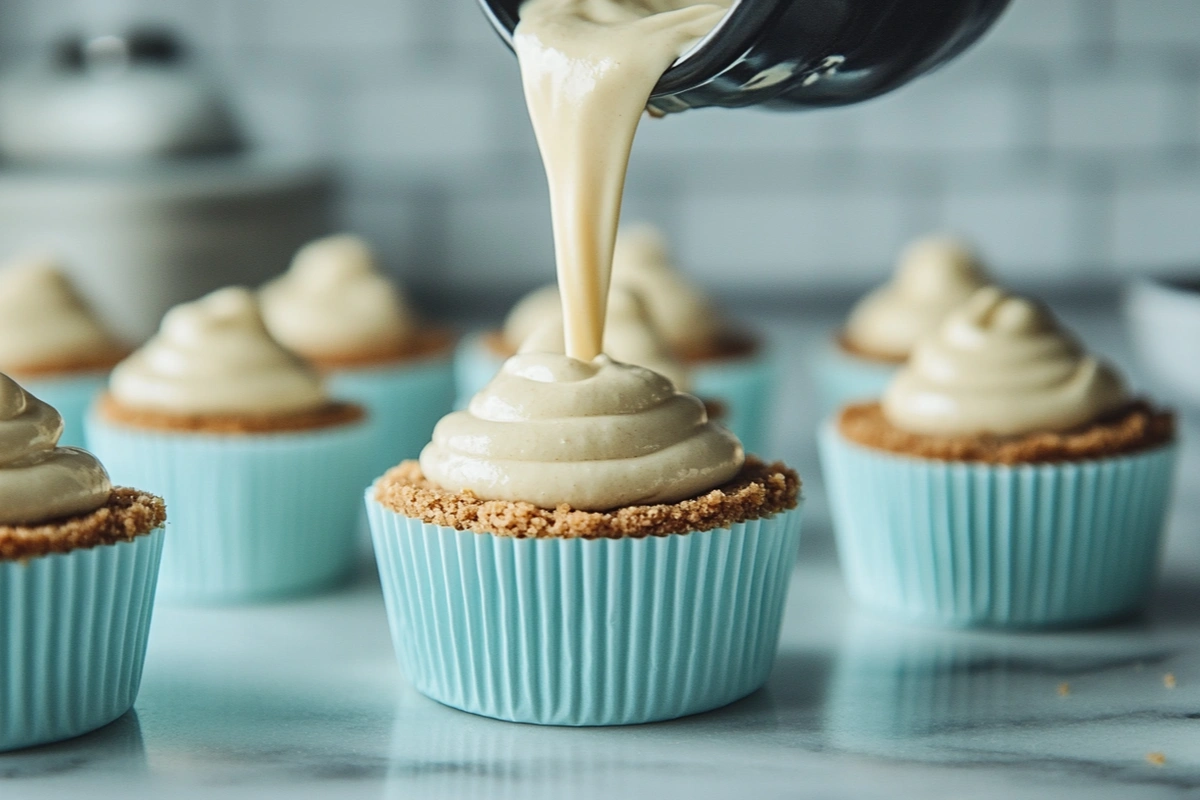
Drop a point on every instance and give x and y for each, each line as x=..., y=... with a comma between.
x=683, y=314
x=333, y=302
x=595, y=435
x=1000, y=365
x=215, y=356
x=44, y=323
x=935, y=274
x=40, y=481
x=629, y=337
x=533, y=311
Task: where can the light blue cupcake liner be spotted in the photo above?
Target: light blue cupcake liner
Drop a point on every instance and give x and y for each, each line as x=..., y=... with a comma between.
x=404, y=401
x=969, y=544
x=584, y=632
x=72, y=396
x=843, y=378
x=745, y=386
x=474, y=366
x=73, y=629
x=253, y=516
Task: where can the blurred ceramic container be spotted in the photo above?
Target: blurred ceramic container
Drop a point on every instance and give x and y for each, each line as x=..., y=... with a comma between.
x=1164, y=320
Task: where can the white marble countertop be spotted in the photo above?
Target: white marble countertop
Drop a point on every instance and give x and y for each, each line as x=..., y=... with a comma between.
x=304, y=700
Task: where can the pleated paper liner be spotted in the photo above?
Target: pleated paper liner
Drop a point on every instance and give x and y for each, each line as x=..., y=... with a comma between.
x=745, y=386
x=71, y=396
x=253, y=516
x=968, y=544
x=404, y=402
x=843, y=378
x=73, y=629
x=584, y=632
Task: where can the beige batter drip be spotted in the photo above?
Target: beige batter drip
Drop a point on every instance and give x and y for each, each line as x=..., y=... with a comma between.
x=588, y=67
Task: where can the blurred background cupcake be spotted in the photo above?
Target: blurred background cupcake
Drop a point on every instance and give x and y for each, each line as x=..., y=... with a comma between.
x=934, y=275
x=335, y=309
x=726, y=363
x=52, y=341
x=262, y=469
x=1007, y=478
x=78, y=565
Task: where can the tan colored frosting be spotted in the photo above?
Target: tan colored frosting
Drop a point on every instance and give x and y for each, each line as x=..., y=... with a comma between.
x=38, y=480
x=684, y=315
x=333, y=302
x=44, y=322
x=534, y=310
x=629, y=337
x=935, y=274
x=1000, y=365
x=550, y=429
x=215, y=356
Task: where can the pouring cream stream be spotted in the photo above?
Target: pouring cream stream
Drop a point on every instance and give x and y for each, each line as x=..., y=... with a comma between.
x=588, y=68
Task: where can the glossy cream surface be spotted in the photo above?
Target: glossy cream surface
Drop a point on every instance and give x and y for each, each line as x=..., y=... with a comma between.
x=215, y=356
x=550, y=429
x=935, y=275
x=629, y=337
x=680, y=311
x=40, y=481
x=1000, y=365
x=588, y=67
x=334, y=302
x=44, y=322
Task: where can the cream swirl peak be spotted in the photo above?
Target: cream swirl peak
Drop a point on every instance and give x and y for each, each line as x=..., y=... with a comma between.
x=333, y=302
x=215, y=356
x=530, y=313
x=684, y=316
x=629, y=337
x=935, y=275
x=595, y=435
x=45, y=324
x=681, y=314
x=588, y=68
x=1000, y=365
x=39, y=481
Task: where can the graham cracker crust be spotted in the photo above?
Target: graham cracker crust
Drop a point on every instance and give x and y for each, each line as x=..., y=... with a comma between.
x=127, y=515
x=850, y=348
x=1134, y=428
x=327, y=416
x=759, y=490
x=730, y=344
x=65, y=369
x=425, y=344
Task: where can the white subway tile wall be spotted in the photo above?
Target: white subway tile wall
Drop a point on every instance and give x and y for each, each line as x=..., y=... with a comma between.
x=1067, y=143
